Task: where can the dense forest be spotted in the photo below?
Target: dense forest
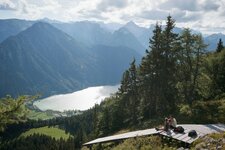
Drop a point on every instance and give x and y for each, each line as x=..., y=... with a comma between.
x=176, y=76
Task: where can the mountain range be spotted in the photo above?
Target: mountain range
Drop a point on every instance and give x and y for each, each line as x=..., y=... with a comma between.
x=49, y=57
x=98, y=33
x=43, y=59
x=11, y=27
x=213, y=39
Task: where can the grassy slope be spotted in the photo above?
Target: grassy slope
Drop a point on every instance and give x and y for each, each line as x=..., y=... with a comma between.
x=49, y=131
x=36, y=115
x=39, y=115
x=212, y=141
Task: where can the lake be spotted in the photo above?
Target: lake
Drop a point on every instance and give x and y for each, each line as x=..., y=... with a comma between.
x=79, y=100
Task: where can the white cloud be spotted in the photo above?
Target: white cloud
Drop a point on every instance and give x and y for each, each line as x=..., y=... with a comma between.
x=7, y=5
x=154, y=14
x=109, y=4
x=191, y=13
x=190, y=5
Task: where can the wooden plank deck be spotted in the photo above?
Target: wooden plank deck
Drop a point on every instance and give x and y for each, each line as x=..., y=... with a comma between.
x=200, y=129
x=123, y=136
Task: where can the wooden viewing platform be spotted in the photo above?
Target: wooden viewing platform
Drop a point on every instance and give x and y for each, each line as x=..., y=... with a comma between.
x=200, y=129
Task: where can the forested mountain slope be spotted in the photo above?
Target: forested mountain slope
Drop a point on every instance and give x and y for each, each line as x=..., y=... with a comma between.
x=45, y=60
x=9, y=27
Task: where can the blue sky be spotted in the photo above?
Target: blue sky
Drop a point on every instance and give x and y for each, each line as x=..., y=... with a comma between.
x=208, y=16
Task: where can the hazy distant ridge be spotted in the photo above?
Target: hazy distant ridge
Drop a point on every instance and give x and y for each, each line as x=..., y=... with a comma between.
x=43, y=59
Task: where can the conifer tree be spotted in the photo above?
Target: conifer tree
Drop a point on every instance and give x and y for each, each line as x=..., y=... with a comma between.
x=190, y=58
x=215, y=69
x=150, y=72
x=220, y=46
x=12, y=110
x=123, y=90
x=169, y=63
x=129, y=94
x=106, y=121
x=133, y=93
x=124, y=94
x=158, y=71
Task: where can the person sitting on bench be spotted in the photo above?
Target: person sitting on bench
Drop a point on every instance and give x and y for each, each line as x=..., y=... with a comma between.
x=172, y=122
x=166, y=125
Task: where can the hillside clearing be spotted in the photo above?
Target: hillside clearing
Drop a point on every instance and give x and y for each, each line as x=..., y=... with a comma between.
x=49, y=131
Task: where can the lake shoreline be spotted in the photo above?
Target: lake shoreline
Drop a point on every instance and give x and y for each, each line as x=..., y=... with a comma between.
x=78, y=100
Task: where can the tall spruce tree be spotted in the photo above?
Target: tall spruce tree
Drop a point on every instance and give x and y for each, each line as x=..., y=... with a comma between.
x=199, y=48
x=220, y=46
x=150, y=73
x=158, y=71
x=128, y=92
x=168, y=79
x=123, y=93
x=133, y=93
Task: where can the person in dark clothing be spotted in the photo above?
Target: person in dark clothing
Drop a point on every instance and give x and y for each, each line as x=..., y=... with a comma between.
x=166, y=125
